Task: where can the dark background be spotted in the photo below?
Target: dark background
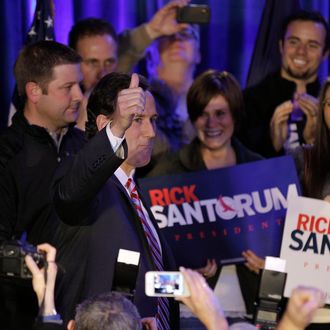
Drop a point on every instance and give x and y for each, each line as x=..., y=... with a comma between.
x=227, y=43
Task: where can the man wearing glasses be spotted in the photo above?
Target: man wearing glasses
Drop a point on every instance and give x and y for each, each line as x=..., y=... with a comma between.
x=103, y=52
x=171, y=62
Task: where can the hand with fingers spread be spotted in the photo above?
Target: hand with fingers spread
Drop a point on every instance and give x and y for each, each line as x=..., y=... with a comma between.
x=209, y=270
x=202, y=301
x=130, y=103
x=43, y=279
x=302, y=305
x=253, y=262
x=309, y=105
x=279, y=124
x=164, y=23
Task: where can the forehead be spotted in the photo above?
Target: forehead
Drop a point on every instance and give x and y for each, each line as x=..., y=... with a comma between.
x=327, y=92
x=307, y=30
x=103, y=46
x=150, y=108
x=67, y=73
x=216, y=103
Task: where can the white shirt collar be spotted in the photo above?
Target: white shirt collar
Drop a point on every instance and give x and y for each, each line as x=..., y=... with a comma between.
x=122, y=176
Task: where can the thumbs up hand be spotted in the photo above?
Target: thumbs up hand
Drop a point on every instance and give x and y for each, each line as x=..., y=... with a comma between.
x=130, y=103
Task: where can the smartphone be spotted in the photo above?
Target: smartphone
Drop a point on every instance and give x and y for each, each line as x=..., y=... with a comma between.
x=193, y=14
x=165, y=284
x=296, y=115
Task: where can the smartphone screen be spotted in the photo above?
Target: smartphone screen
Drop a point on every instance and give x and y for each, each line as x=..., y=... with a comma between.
x=168, y=284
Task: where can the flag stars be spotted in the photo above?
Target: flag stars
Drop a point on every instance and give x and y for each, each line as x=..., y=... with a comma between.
x=49, y=22
x=32, y=32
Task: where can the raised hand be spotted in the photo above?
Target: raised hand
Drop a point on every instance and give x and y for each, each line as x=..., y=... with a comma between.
x=164, y=23
x=302, y=305
x=43, y=279
x=130, y=103
x=310, y=106
x=202, y=301
x=279, y=124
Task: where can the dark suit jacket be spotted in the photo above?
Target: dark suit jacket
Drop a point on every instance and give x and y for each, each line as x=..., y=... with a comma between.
x=48, y=326
x=91, y=197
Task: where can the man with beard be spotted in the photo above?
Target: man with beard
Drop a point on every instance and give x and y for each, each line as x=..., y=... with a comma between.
x=281, y=110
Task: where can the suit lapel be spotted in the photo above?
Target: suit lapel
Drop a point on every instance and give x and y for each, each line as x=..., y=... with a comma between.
x=134, y=219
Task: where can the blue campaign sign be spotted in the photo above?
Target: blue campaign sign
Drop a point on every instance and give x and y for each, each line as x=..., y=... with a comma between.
x=220, y=213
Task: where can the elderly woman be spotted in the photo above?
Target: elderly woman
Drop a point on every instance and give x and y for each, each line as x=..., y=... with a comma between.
x=215, y=108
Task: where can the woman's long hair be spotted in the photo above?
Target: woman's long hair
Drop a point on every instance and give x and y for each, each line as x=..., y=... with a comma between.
x=317, y=158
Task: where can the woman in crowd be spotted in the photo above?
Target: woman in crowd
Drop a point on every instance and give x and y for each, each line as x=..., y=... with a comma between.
x=313, y=168
x=215, y=108
x=316, y=170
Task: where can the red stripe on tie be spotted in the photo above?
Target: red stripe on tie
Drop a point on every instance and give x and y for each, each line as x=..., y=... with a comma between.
x=162, y=317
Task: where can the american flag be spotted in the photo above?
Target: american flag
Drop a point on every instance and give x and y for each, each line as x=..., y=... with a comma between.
x=42, y=28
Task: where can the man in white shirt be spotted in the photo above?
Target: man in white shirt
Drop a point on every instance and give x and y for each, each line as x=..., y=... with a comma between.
x=98, y=193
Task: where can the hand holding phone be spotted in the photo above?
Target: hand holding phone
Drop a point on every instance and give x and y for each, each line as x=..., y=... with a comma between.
x=165, y=284
x=193, y=14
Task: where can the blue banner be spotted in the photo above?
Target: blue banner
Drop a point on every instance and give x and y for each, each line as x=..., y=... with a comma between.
x=220, y=213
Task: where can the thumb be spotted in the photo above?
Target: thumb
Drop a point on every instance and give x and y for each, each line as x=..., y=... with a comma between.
x=134, y=81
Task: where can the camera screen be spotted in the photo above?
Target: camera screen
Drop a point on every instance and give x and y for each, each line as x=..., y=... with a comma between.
x=266, y=316
x=168, y=284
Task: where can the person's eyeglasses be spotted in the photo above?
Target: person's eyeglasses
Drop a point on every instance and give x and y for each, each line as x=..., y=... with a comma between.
x=187, y=34
x=97, y=65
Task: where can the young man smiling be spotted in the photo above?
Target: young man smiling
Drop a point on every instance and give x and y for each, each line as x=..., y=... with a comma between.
x=281, y=110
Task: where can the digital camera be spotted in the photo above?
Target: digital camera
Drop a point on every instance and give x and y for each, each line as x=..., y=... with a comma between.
x=269, y=303
x=12, y=263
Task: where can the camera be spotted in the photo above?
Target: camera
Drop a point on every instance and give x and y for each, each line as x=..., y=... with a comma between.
x=268, y=305
x=125, y=273
x=193, y=14
x=12, y=263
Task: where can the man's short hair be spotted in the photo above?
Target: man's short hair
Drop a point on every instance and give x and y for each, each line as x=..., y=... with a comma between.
x=35, y=63
x=107, y=311
x=103, y=99
x=307, y=16
x=210, y=84
x=90, y=27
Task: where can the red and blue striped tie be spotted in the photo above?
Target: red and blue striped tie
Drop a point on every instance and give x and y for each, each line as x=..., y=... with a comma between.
x=163, y=304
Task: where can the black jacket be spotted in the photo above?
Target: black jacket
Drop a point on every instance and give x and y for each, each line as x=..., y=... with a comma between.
x=28, y=160
x=260, y=103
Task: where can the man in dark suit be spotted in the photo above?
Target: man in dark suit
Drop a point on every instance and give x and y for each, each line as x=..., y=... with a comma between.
x=94, y=194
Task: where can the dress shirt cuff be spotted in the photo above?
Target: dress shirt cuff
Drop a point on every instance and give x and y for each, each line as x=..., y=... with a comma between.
x=116, y=142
